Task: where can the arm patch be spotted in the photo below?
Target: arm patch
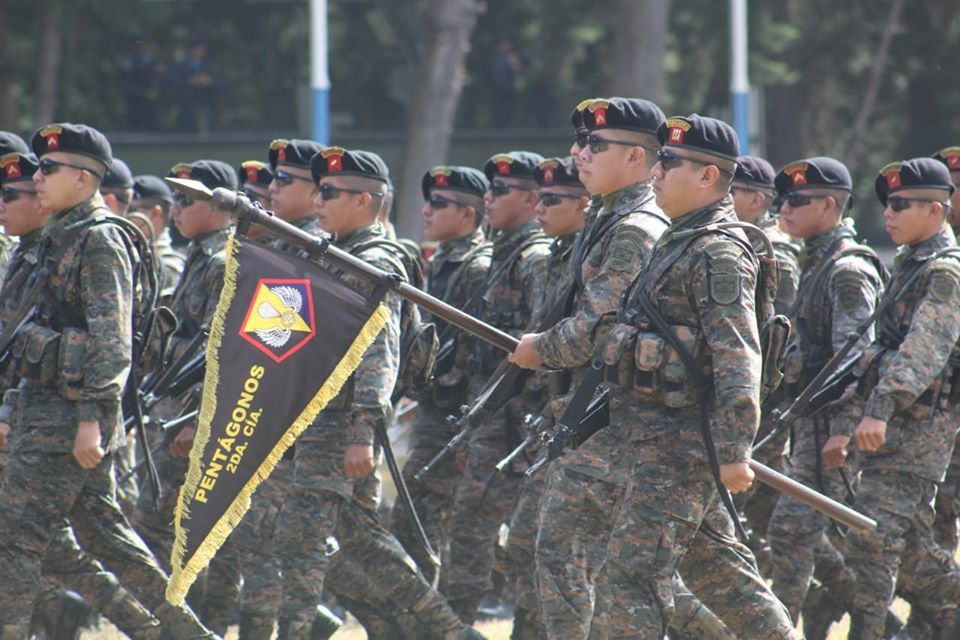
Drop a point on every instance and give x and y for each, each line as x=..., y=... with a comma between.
x=849, y=286
x=625, y=250
x=723, y=271
x=944, y=277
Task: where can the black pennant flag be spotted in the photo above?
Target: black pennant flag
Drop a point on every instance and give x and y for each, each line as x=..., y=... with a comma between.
x=286, y=336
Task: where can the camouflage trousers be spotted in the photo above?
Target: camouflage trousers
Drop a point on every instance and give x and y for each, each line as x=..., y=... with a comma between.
x=671, y=508
x=41, y=490
x=128, y=489
x=901, y=552
x=521, y=553
x=313, y=513
x=433, y=496
x=796, y=529
x=945, y=530
x=214, y=595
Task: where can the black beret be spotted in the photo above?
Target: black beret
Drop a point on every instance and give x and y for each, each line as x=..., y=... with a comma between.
x=254, y=172
x=339, y=161
x=754, y=171
x=576, y=116
x=73, y=138
x=558, y=171
x=631, y=114
x=212, y=173
x=149, y=187
x=462, y=179
x=919, y=173
x=700, y=133
x=950, y=157
x=12, y=143
x=295, y=152
x=18, y=167
x=813, y=173
x=512, y=164
x=118, y=176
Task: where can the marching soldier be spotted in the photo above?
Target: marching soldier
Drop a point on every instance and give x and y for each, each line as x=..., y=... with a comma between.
x=117, y=187
x=335, y=456
x=452, y=212
x=9, y=143
x=150, y=211
x=684, y=375
x=254, y=178
x=840, y=282
x=903, y=411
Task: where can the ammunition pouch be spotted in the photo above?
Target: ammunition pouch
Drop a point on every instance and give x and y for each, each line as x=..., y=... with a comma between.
x=36, y=353
x=646, y=363
x=773, y=337
x=161, y=326
x=71, y=361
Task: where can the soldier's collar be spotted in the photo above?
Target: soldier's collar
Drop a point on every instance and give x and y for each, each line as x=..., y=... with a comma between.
x=212, y=241
x=629, y=192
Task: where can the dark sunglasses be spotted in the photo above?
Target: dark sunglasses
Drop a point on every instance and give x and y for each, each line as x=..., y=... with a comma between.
x=9, y=195
x=438, y=201
x=500, y=188
x=898, y=203
x=182, y=200
x=330, y=192
x=598, y=144
x=669, y=160
x=49, y=167
x=550, y=199
x=283, y=178
x=799, y=200
x=255, y=195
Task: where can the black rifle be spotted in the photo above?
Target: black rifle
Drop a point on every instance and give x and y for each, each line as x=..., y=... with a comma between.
x=170, y=429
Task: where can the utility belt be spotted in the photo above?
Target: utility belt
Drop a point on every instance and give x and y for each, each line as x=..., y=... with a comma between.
x=645, y=363
x=50, y=358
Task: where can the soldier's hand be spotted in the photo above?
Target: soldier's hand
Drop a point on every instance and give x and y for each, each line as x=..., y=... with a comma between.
x=181, y=445
x=835, y=451
x=737, y=476
x=86, y=447
x=358, y=460
x=871, y=434
x=4, y=433
x=525, y=356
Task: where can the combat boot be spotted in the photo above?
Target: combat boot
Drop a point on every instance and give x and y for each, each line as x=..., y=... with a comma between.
x=821, y=608
x=63, y=616
x=130, y=616
x=180, y=623
x=325, y=624
x=437, y=619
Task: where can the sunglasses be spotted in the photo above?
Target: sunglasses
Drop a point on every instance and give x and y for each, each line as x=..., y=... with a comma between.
x=49, y=167
x=9, y=195
x=597, y=144
x=254, y=195
x=669, y=160
x=550, y=199
x=438, y=201
x=500, y=188
x=330, y=192
x=283, y=178
x=898, y=203
x=796, y=200
x=183, y=201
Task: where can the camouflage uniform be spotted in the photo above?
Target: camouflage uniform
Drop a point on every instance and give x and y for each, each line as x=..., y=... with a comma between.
x=908, y=378
x=671, y=504
x=7, y=247
x=322, y=502
x=457, y=271
x=582, y=487
x=194, y=301
x=78, y=377
x=838, y=291
x=484, y=498
x=170, y=263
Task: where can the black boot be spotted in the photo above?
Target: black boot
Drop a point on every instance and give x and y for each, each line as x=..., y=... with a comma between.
x=820, y=610
x=325, y=624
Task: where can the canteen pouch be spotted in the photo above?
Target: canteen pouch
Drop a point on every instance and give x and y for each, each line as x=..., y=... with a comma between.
x=617, y=354
x=72, y=357
x=36, y=348
x=648, y=360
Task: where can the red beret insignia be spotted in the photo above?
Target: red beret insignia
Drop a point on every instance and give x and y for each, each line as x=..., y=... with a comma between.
x=676, y=130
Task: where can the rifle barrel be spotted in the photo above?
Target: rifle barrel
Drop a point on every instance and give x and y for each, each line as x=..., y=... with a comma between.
x=510, y=457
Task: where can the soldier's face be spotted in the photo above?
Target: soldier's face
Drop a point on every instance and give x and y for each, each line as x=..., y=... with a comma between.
x=560, y=212
x=444, y=217
x=344, y=209
x=676, y=188
x=291, y=192
x=195, y=218
x=805, y=214
x=602, y=171
x=510, y=202
x=20, y=209
x=60, y=188
x=917, y=219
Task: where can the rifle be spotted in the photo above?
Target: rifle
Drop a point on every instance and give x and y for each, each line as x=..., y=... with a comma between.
x=177, y=383
x=170, y=429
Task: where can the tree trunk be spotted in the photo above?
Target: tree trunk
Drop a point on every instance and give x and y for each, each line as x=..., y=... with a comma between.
x=638, y=44
x=48, y=64
x=448, y=25
x=8, y=105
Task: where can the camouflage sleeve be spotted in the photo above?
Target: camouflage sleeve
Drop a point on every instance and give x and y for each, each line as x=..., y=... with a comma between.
x=473, y=278
x=213, y=284
x=106, y=289
x=375, y=377
x=906, y=373
x=207, y=288
x=533, y=280
x=570, y=343
x=724, y=285
x=854, y=289
x=789, y=278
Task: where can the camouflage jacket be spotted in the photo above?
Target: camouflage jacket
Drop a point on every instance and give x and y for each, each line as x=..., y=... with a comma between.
x=92, y=290
x=456, y=272
x=19, y=268
x=7, y=247
x=510, y=303
x=835, y=296
x=787, y=252
x=908, y=375
x=365, y=399
x=170, y=264
x=607, y=265
x=310, y=224
x=707, y=292
x=195, y=298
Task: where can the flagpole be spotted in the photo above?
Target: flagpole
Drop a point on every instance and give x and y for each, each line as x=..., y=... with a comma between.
x=739, y=81
x=319, y=74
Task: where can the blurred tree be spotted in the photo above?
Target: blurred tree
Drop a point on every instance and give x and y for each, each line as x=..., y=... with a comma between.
x=638, y=35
